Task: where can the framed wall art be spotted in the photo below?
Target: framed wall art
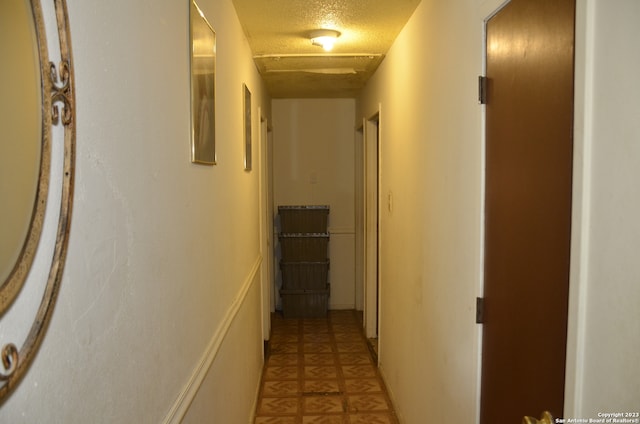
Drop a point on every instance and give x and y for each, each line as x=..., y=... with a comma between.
x=202, y=39
x=246, y=104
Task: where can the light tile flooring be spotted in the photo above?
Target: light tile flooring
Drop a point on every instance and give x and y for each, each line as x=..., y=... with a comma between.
x=320, y=371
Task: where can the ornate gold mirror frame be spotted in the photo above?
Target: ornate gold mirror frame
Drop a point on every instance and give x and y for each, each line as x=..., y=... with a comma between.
x=57, y=108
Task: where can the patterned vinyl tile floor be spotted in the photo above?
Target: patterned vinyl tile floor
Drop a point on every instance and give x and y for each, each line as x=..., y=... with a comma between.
x=320, y=371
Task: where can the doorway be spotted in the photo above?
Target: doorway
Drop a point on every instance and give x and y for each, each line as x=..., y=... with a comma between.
x=529, y=122
x=266, y=223
x=359, y=177
x=371, y=219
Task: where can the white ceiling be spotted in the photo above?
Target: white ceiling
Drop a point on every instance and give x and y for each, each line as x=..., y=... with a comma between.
x=278, y=33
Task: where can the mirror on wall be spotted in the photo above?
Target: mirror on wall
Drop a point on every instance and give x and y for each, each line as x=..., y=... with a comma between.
x=36, y=95
x=20, y=121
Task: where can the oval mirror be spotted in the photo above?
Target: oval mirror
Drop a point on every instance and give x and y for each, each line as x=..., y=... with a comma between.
x=21, y=143
x=36, y=94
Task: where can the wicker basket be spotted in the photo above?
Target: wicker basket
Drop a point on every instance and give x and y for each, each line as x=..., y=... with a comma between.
x=303, y=219
x=305, y=303
x=311, y=247
x=304, y=275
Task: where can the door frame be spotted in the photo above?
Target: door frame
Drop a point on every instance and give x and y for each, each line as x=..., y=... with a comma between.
x=266, y=224
x=359, y=219
x=489, y=9
x=582, y=159
x=372, y=178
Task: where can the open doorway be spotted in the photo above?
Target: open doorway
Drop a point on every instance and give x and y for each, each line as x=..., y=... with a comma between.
x=359, y=208
x=266, y=224
x=371, y=227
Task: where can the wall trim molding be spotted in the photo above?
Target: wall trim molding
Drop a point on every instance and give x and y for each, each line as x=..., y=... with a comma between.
x=341, y=230
x=180, y=407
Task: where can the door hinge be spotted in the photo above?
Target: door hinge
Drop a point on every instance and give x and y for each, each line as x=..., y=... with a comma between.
x=479, y=310
x=482, y=90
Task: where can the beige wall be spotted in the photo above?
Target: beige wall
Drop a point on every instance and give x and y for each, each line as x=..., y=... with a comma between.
x=431, y=161
x=314, y=164
x=604, y=334
x=160, y=299
x=431, y=242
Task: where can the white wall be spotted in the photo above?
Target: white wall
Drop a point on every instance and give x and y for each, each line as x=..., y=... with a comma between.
x=431, y=165
x=431, y=137
x=605, y=332
x=314, y=164
x=162, y=274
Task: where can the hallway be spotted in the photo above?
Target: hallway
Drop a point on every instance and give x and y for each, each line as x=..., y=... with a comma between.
x=164, y=276
x=321, y=371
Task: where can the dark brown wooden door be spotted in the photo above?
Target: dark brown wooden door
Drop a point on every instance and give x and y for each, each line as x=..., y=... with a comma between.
x=529, y=122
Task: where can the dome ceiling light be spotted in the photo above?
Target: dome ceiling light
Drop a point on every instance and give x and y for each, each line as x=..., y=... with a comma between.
x=325, y=38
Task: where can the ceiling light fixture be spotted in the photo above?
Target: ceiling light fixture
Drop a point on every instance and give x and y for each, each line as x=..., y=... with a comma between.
x=325, y=38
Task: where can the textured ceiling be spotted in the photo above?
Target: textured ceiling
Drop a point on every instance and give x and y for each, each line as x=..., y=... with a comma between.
x=278, y=33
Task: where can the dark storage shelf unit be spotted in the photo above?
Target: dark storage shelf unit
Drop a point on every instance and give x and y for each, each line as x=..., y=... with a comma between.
x=304, y=241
